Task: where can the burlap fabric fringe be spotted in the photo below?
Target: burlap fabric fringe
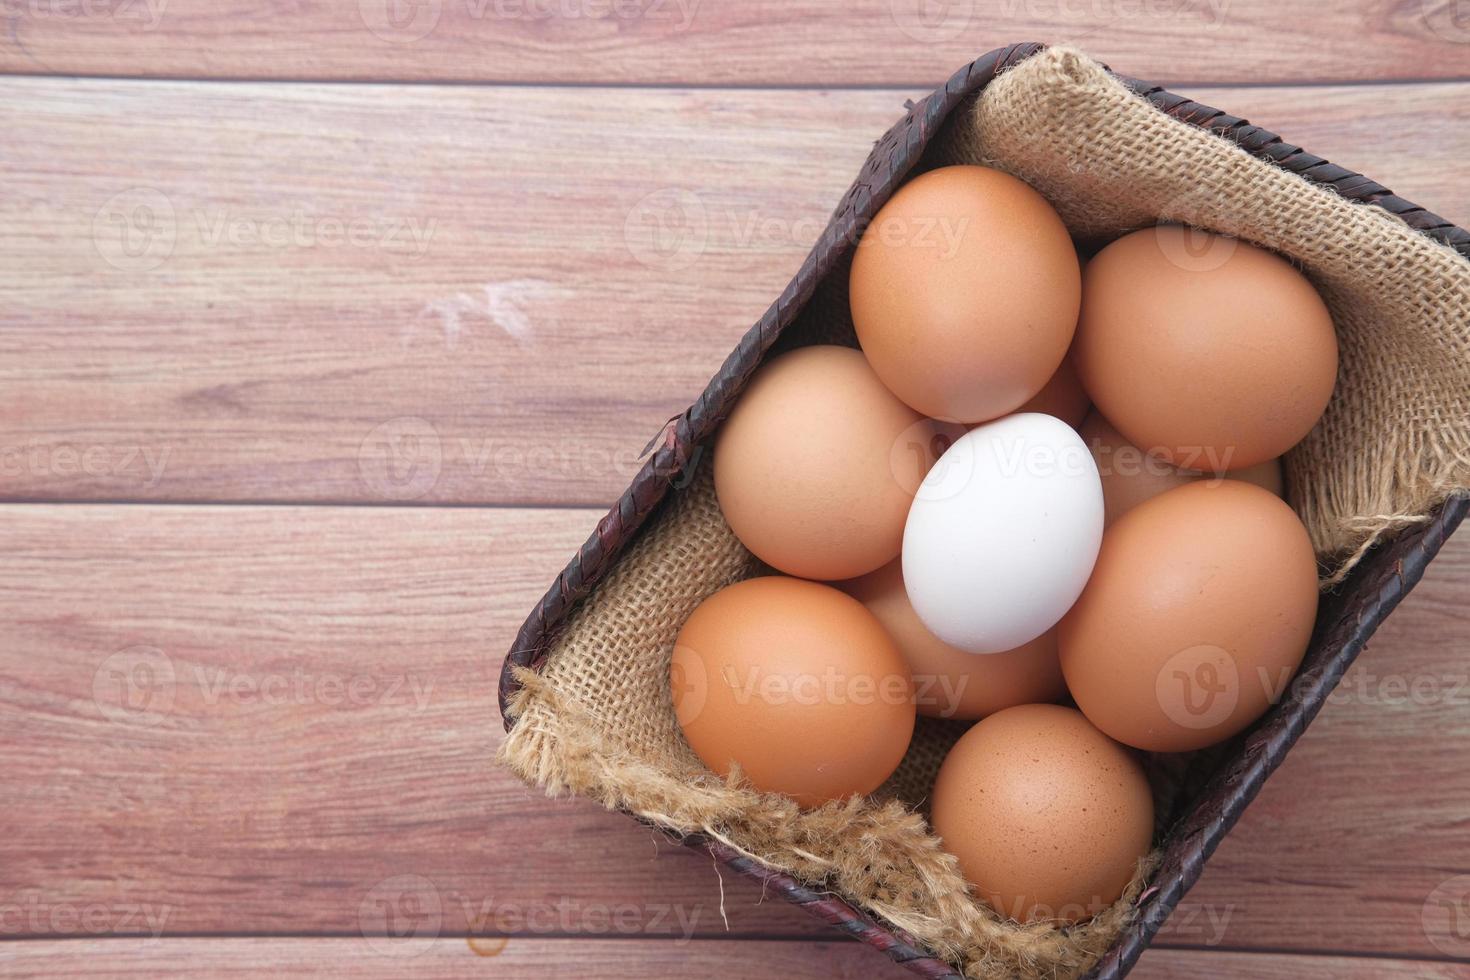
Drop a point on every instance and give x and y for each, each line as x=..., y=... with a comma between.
x=1395, y=440
x=598, y=721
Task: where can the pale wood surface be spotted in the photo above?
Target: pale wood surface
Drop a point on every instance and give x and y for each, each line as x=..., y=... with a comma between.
x=730, y=43
x=320, y=720
x=535, y=958
x=518, y=958
x=522, y=349
x=494, y=294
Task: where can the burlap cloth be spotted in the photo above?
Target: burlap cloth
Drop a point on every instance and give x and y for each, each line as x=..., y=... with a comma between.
x=598, y=721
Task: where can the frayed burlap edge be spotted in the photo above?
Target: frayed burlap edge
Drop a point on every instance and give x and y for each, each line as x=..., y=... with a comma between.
x=1395, y=441
x=866, y=852
x=597, y=721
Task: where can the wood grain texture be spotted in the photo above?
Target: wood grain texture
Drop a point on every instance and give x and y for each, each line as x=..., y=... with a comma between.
x=280, y=720
x=1353, y=809
x=1174, y=964
x=734, y=43
x=517, y=958
x=283, y=720
x=421, y=294
x=535, y=958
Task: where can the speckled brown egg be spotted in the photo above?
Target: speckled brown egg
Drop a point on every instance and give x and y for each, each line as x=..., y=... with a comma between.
x=795, y=682
x=1195, y=619
x=1209, y=352
x=964, y=293
x=1047, y=816
x=948, y=682
x=1130, y=476
x=805, y=466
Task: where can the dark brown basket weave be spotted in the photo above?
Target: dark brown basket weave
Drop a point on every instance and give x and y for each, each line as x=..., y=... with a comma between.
x=1347, y=617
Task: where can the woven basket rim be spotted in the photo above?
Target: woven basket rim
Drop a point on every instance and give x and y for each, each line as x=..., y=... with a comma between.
x=1189, y=844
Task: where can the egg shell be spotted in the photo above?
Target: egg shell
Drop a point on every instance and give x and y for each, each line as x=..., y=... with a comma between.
x=798, y=684
x=1130, y=476
x=1062, y=396
x=1196, y=617
x=1206, y=351
x=1047, y=816
x=964, y=293
x=1003, y=533
x=816, y=465
x=948, y=682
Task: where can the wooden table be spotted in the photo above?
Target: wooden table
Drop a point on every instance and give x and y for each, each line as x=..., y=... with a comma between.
x=327, y=328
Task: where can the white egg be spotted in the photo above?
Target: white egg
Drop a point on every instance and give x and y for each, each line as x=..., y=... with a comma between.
x=1003, y=533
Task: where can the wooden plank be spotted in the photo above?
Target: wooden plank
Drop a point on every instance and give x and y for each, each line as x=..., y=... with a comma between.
x=523, y=348
x=242, y=787
x=283, y=720
x=535, y=957
x=423, y=294
x=806, y=42
x=1359, y=842
x=1173, y=964
x=517, y=958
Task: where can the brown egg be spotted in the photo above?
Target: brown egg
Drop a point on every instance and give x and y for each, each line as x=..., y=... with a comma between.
x=805, y=466
x=1209, y=352
x=796, y=683
x=964, y=293
x=1130, y=476
x=948, y=682
x=1195, y=619
x=1047, y=816
x=1062, y=396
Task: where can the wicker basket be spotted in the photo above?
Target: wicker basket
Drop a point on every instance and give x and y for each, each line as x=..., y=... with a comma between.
x=1347, y=618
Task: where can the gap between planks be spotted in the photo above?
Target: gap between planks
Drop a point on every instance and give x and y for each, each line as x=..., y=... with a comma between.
x=174, y=698
x=541, y=281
